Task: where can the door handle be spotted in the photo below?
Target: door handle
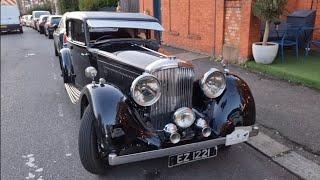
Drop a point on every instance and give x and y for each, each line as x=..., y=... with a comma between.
x=84, y=54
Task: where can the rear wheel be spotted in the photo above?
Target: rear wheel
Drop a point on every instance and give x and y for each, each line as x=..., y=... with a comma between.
x=21, y=30
x=88, y=145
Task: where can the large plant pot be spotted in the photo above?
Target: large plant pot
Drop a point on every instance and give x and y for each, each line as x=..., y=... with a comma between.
x=265, y=54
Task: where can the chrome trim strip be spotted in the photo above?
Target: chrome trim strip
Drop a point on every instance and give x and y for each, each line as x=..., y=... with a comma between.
x=161, y=64
x=116, y=160
x=148, y=49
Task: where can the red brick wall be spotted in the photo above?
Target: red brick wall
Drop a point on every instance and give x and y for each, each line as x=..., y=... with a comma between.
x=317, y=24
x=189, y=24
x=232, y=22
x=215, y=27
x=192, y=24
x=146, y=6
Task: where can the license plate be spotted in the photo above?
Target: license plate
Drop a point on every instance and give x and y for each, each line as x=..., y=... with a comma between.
x=184, y=158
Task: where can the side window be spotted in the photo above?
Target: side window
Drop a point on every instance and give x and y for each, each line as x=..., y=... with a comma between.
x=68, y=30
x=78, y=31
x=62, y=23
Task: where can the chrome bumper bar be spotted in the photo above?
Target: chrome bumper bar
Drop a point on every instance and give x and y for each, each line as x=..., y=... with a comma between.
x=114, y=159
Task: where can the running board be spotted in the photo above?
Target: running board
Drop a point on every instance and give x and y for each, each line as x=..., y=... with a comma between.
x=73, y=92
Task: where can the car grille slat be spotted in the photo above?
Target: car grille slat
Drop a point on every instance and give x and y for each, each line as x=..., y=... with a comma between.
x=176, y=92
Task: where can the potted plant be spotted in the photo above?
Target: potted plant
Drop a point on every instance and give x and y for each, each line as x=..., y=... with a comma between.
x=267, y=10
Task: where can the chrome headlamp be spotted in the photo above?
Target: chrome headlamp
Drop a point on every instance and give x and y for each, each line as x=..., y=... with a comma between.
x=213, y=83
x=145, y=90
x=184, y=117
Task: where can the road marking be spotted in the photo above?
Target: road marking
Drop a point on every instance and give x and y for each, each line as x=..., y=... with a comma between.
x=30, y=162
x=29, y=54
x=267, y=145
x=30, y=176
x=66, y=146
x=299, y=165
x=33, y=168
x=39, y=170
x=55, y=76
x=60, y=111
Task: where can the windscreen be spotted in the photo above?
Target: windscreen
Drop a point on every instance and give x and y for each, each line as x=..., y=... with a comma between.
x=38, y=14
x=119, y=33
x=55, y=20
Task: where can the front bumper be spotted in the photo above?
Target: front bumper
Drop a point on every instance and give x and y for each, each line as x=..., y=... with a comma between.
x=114, y=159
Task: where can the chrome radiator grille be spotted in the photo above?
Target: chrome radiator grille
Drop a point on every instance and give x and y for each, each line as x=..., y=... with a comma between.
x=176, y=92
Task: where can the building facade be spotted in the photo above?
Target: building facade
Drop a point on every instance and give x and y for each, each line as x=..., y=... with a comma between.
x=216, y=27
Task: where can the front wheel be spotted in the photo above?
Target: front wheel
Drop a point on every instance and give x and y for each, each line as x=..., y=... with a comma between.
x=88, y=145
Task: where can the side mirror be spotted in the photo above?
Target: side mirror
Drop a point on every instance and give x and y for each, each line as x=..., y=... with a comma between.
x=55, y=26
x=91, y=72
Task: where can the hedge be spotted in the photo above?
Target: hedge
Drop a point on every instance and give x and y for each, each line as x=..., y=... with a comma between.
x=68, y=6
x=43, y=7
x=93, y=5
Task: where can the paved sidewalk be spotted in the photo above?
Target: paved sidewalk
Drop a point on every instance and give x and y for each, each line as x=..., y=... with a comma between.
x=292, y=110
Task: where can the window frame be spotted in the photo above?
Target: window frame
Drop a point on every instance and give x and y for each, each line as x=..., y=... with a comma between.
x=69, y=33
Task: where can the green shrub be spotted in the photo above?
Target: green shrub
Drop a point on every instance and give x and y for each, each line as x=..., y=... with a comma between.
x=93, y=5
x=43, y=7
x=268, y=11
x=68, y=6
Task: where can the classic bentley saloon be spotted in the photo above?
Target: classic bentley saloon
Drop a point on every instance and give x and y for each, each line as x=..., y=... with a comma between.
x=138, y=104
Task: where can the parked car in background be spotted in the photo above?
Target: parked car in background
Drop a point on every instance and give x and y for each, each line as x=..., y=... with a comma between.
x=10, y=18
x=29, y=21
x=59, y=36
x=36, y=17
x=23, y=20
x=51, y=25
x=41, y=23
x=137, y=103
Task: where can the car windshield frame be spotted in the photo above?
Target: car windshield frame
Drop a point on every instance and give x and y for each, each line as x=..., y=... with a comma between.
x=96, y=24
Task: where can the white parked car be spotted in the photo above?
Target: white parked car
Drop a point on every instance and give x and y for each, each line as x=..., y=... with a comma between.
x=29, y=21
x=10, y=18
x=36, y=17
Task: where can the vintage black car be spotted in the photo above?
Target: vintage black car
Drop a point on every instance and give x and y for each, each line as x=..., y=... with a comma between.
x=138, y=104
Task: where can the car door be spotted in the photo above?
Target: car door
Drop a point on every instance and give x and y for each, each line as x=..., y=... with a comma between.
x=79, y=53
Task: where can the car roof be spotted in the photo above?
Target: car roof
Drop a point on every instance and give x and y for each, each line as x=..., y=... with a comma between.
x=54, y=16
x=83, y=15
